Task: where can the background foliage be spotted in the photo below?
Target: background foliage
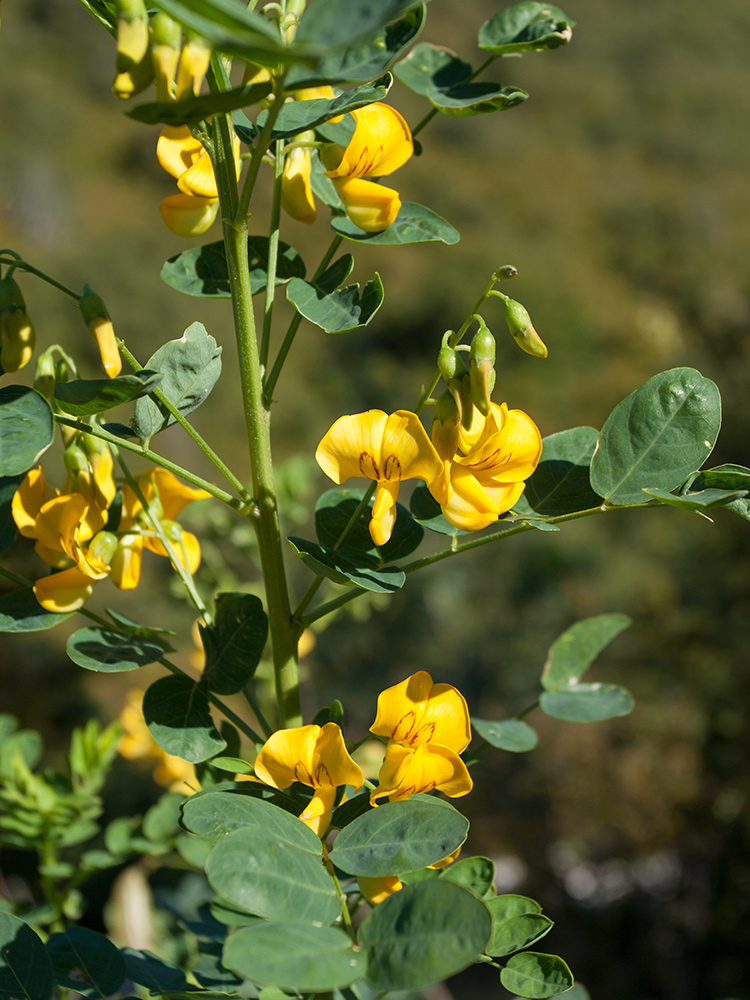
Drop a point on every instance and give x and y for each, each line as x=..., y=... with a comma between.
x=620, y=192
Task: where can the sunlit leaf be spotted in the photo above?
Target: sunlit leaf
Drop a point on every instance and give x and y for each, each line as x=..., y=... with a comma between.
x=414, y=224
x=526, y=27
x=587, y=702
x=338, y=311
x=509, y=734
x=537, y=976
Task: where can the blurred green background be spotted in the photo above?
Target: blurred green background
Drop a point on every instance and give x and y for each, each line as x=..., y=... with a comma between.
x=620, y=191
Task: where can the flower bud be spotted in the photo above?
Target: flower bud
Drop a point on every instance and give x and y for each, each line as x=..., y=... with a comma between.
x=166, y=39
x=194, y=62
x=97, y=319
x=75, y=458
x=134, y=70
x=445, y=427
x=188, y=214
x=102, y=547
x=482, y=367
x=448, y=362
x=522, y=330
x=460, y=389
x=505, y=273
x=296, y=188
x=17, y=336
x=44, y=376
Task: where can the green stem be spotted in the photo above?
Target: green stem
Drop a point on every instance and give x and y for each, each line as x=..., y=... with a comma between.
x=45, y=277
x=250, y=699
x=418, y=564
x=189, y=429
x=528, y=711
x=152, y=456
x=273, y=256
x=262, y=145
x=347, y=917
x=295, y=325
x=179, y=565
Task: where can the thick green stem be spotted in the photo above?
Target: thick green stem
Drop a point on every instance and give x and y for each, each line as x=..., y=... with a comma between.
x=273, y=256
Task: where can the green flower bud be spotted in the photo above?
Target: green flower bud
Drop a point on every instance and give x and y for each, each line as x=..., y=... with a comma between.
x=17, y=337
x=97, y=319
x=482, y=372
x=75, y=458
x=133, y=63
x=445, y=427
x=460, y=389
x=448, y=363
x=505, y=273
x=44, y=376
x=522, y=329
x=103, y=546
x=482, y=344
x=166, y=40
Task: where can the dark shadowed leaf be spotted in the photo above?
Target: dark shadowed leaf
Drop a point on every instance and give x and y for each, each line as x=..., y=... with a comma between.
x=560, y=484
x=21, y=612
x=86, y=962
x=297, y=116
x=83, y=397
x=177, y=714
x=234, y=643
x=333, y=512
x=426, y=510
x=26, y=428
x=362, y=571
x=147, y=969
x=194, y=109
x=202, y=271
x=8, y=487
x=107, y=650
x=25, y=968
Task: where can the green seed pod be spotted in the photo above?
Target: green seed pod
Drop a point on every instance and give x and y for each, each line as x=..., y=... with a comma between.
x=522, y=329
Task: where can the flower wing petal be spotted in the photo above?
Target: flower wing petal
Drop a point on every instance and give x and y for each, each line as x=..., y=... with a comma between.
x=352, y=446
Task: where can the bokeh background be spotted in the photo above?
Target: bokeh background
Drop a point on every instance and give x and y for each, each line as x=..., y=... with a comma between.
x=620, y=192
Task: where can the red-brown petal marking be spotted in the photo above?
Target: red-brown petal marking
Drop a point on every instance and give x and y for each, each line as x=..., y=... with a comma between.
x=322, y=777
x=405, y=728
x=368, y=466
x=424, y=734
x=303, y=775
x=392, y=469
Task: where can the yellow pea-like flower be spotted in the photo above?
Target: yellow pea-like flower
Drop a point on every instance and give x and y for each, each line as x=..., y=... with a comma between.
x=488, y=473
x=385, y=448
x=427, y=726
x=315, y=756
x=373, y=207
x=296, y=188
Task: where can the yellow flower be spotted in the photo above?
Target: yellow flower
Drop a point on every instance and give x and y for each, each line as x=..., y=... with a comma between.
x=377, y=888
x=184, y=157
x=372, y=207
x=381, y=143
x=315, y=756
x=187, y=215
x=387, y=449
x=137, y=743
x=428, y=727
x=488, y=473
x=296, y=189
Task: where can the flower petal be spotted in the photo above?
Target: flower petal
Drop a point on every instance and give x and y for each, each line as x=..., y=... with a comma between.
x=373, y=207
x=332, y=764
x=406, y=772
x=187, y=215
x=296, y=188
x=417, y=712
x=381, y=143
x=376, y=888
x=287, y=756
x=317, y=813
x=32, y=493
x=400, y=707
x=352, y=446
x=177, y=150
x=125, y=569
x=65, y=591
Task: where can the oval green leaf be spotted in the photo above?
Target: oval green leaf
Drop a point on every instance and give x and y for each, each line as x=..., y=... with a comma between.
x=86, y=962
x=178, y=717
x=340, y=311
x=334, y=565
x=308, y=959
x=189, y=368
x=25, y=968
x=414, y=224
x=529, y=26
x=476, y=874
x=509, y=905
x=195, y=109
x=26, y=428
x=703, y=500
x=21, y=612
x=298, y=116
x=146, y=969
x=399, y=837
x=107, y=650
x=657, y=437
x=515, y=933
x=587, y=703
x=202, y=271
x=278, y=875
x=510, y=734
x=574, y=651
x=83, y=397
x=422, y=934
x=536, y=976
x=234, y=643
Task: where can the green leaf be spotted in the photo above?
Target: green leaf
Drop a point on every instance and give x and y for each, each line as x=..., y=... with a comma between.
x=211, y=971
x=8, y=487
x=146, y=969
x=26, y=742
x=213, y=815
x=510, y=734
x=657, y=436
x=21, y=612
x=26, y=428
x=339, y=311
x=202, y=271
x=514, y=933
x=476, y=874
x=25, y=968
x=82, y=397
x=422, y=934
x=233, y=29
x=438, y=74
x=400, y=837
x=571, y=654
x=298, y=116
x=195, y=109
x=560, y=484
x=702, y=500
x=190, y=368
x=723, y=477
x=509, y=905
x=86, y=962
x=587, y=703
x=234, y=643
x=426, y=510
x=333, y=511
x=322, y=958
x=363, y=61
x=526, y=27
x=274, y=873
x=533, y=975
x=341, y=569
x=336, y=274
x=162, y=821
x=340, y=23
x=414, y=224
x=178, y=717
x=107, y=650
